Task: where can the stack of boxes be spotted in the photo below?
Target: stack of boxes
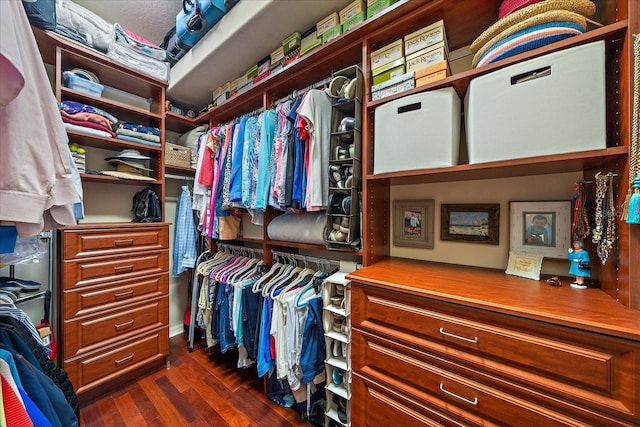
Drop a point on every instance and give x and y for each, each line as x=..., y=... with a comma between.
x=388, y=70
x=329, y=28
x=352, y=15
x=377, y=6
x=427, y=54
x=416, y=60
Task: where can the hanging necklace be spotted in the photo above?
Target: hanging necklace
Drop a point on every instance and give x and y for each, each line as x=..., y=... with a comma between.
x=580, y=225
x=604, y=234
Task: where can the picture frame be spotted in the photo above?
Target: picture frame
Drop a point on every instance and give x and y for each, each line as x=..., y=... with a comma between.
x=413, y=223
x=471, y=222
x=524, y=265
x=542, y=228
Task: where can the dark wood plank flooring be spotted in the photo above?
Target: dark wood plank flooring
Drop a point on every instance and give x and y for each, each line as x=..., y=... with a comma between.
x=201, y=388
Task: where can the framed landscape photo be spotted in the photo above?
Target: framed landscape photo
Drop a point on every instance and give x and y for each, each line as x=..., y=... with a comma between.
x=413, y=223
x=477, y=223
x=541, y=228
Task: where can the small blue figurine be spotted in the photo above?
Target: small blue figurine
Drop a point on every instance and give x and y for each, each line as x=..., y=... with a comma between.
x=580, y=267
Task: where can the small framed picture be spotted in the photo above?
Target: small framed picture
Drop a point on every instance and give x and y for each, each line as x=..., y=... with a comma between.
x=524, y=265
x=476, y=223
x=413, y=223
x=541, y=228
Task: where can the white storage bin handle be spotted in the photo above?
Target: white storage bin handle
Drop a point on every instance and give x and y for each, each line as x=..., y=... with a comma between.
x=411, y=107
x=531, y=75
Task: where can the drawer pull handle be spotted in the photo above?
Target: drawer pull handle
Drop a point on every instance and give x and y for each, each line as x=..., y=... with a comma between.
x=473, y=340
x=473, y=402
x=123, y=268
x=123, y=295
x=124, y=359
x=123, y=242
x=124, y=324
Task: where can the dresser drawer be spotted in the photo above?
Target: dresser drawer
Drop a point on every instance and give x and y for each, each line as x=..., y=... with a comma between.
x=588, y=368
x=129, y=355
x=420, y=377
x=100, y=242
x=85, y=300
x=89, y=333
x=84, y=272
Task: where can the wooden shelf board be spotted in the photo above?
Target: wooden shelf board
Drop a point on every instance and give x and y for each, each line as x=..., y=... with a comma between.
x=113, y=180
x=108, y=143
x=542, y=165
x=108, y=104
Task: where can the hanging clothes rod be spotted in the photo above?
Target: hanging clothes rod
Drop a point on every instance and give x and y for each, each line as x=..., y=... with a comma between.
x=295, y=93
x=306, y=259
x=239, y=250
x=179, y=177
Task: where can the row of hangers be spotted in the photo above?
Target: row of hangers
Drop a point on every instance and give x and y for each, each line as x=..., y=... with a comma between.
x=234, y=264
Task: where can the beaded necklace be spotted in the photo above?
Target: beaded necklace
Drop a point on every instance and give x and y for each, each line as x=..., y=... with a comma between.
x=604, y=233
x=580, y=225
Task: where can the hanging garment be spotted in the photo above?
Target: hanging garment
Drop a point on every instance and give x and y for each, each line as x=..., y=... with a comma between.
x=315, y=110
x=263, y=181
x=36, y=186
x=185, y=235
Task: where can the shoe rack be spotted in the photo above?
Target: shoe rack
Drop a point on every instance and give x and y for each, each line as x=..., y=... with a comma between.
x=345, y=161
x=336, y=295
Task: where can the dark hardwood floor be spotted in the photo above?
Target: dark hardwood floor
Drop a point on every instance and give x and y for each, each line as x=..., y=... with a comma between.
x=201, y=388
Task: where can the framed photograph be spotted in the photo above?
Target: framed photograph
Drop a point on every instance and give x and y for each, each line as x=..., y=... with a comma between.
x=477, y=223
x=541, y=228
x=524, y=265
x=413, y=223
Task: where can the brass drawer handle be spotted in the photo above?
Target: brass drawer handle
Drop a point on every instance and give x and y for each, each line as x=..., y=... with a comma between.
x=124, y=324
x=123, y=295
x=123, y=242
x=473, y=402
x=123, y=268
x=124, y=359
x=473, y=340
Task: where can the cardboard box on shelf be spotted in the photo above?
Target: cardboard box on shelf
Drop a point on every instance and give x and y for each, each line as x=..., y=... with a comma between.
x=386, y=54
x=331, y=33
x=376, y=6
x=327, y=23
x=310, y=41
x=277, y=56
x=433, y=77
x=427, y=57
x=291, y=43
x=392, y=86
x=389, y=74
x=424, y=38
x=252, y=72
x=353, y=9
x=353, y=21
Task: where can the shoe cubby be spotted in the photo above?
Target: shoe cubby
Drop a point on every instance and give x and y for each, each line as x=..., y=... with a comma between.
x=336, y=319
x=345, y=160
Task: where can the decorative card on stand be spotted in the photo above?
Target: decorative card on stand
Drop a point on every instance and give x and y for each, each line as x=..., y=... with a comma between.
x=524, y=265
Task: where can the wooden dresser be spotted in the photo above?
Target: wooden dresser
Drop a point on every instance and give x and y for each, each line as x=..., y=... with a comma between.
x=114, y=303
x=429, y=351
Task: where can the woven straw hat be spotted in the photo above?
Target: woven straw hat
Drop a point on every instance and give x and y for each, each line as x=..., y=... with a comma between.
x=529, y=39
x=509, y=6
x=536, y=20
x=583, y=7
x=129, y=170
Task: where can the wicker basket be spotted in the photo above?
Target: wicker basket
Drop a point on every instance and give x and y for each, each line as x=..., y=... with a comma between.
x=177, y=155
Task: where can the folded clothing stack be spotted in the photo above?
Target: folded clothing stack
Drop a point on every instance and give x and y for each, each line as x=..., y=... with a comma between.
x=525, y=25
x=10, y=287
x=87, y=119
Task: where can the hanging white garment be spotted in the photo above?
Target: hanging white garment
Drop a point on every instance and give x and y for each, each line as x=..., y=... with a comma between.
x=36, y=187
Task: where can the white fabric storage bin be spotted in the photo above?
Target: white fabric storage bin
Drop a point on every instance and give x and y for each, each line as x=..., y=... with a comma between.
x=418, y=131
x=511, y=113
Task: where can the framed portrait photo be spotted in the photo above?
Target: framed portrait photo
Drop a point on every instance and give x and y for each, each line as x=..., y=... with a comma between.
x=413, y=223
x=542, y=228
x=477, y=223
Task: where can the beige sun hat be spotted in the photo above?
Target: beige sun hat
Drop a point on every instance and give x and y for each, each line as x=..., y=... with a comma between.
x=585, y=8
x=129, y=170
